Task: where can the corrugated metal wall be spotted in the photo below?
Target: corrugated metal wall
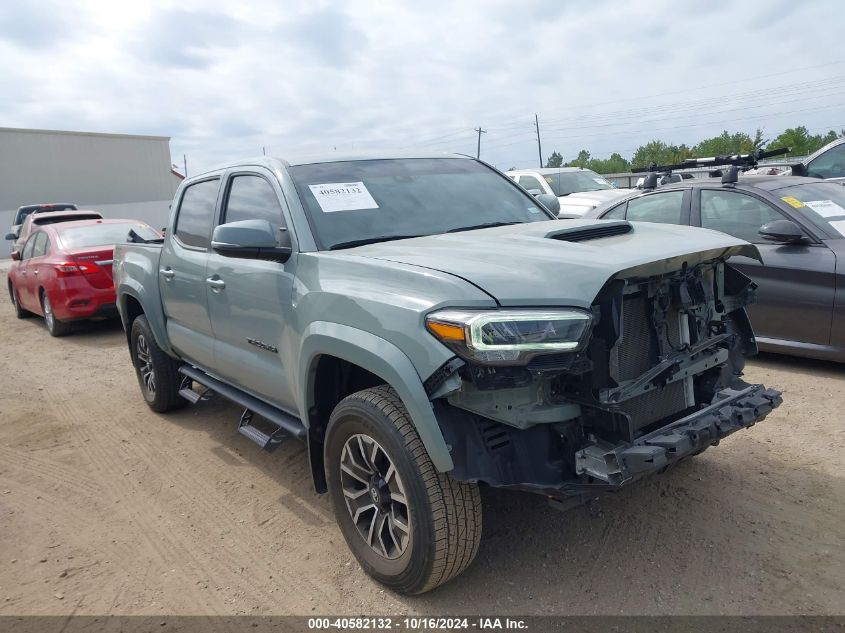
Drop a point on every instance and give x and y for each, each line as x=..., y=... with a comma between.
x=120, y=175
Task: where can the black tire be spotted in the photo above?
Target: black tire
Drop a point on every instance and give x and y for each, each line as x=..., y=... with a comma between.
x=158, y=374
x=54, y=326
x=20, y=312
x=443, y=516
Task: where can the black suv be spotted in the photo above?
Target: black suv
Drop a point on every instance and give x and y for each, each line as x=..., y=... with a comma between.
x=798, y=225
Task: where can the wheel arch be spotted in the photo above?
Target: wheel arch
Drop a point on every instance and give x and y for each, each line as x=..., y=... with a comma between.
x=336, y=360
x=132, y=302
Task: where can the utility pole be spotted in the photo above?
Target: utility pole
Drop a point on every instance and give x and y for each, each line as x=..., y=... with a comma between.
x=185, y=161
x=539, y=149
x=480, y=132
x=264, y=150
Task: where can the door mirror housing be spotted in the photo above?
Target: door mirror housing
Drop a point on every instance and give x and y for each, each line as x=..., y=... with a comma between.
x=16, y=256
x=11, y=236
x=549, y=201
x=251, y=239
x=782, y=232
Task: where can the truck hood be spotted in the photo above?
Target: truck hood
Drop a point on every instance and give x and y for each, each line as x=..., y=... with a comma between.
x=559, y=262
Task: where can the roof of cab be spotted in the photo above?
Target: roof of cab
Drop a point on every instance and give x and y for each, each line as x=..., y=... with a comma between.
x=332, y=157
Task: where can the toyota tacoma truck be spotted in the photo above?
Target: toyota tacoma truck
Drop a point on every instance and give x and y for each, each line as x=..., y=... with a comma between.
x=426, y=326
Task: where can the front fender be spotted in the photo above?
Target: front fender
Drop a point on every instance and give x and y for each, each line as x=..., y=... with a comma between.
x=381, y=358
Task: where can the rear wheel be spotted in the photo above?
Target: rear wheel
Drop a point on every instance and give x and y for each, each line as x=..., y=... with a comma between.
x=20, y=312
x=158, y=373
x=54, y=326
x=411, y=527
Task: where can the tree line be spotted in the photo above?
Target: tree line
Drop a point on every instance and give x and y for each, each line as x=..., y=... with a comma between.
x=798, y=139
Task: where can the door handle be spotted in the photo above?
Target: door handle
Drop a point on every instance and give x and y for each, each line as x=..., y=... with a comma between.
x=167, y=273
x=35, y=272
x=216, y=284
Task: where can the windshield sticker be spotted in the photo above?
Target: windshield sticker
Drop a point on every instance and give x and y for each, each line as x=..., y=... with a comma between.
x=793, y=202
x=549, y=179
x=343, y=196
x=839, y=225
x=826, y=208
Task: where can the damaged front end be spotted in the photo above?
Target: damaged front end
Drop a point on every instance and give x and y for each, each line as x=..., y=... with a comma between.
x=654, y=376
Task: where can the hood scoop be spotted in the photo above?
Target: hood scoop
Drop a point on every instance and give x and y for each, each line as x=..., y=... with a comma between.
x=591, y=232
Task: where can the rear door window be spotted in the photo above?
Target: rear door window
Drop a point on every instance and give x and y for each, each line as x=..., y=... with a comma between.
x=736, y=214
x=831, y=164
x=530, y=182
x=665, y=207
x=27, y=249
x=196, y=213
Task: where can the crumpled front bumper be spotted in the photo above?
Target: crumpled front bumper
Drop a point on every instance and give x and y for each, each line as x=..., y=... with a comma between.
x=731, y=410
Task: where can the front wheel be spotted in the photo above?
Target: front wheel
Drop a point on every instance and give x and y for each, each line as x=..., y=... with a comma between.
x=158, y=374
x=411, y=527
x=20, y=311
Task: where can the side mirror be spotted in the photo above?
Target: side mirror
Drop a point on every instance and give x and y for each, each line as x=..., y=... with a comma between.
x=549, y=201
x=251, y=239
x=11, y=236
x=16, y=256
x=783, y=232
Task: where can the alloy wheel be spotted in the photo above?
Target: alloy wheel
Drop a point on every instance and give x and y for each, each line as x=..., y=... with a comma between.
x=145, y=364
x=375, y=496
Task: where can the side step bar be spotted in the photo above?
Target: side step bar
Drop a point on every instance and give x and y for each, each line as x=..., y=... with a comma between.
x=288, y=425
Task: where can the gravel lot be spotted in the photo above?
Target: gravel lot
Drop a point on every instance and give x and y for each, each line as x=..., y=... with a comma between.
x=108, y=508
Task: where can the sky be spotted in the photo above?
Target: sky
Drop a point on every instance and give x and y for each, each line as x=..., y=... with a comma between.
x=232, y=80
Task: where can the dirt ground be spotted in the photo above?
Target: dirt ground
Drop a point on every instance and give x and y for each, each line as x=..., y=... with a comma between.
x=108, y=508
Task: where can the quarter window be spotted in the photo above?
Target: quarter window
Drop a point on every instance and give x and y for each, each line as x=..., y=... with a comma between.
x=615, y=214
x=196, y=213
x=253, y=198
x=736, y=214
x=40, y=247
x=657, y=207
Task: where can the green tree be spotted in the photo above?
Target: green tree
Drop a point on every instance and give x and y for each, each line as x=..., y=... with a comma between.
x=801, y=142
x=581, y=160
x=555, y=160
x=654, y=152
x=725, y=144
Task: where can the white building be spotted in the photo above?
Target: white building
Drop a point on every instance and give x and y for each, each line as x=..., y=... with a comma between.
x=120, y=175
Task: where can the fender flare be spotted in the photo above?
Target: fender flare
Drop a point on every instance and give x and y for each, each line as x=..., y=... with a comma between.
x=151, y=307
x=381, y=358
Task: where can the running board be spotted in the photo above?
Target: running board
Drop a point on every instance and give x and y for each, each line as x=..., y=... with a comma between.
x=190, y=395
x=268, y=442
x=288, y=424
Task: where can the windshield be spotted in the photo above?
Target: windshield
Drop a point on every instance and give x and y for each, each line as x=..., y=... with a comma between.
x=104, y=234
x=567, y=182
x=823, y=203
x=374, y=200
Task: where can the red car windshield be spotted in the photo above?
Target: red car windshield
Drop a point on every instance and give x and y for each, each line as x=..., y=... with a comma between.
x=104, y=234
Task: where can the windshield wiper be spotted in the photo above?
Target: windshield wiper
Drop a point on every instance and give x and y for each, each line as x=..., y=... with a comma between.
x=370, y=240
x=488, y=225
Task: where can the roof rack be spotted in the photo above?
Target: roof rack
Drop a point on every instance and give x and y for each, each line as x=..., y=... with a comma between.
x=745, y=161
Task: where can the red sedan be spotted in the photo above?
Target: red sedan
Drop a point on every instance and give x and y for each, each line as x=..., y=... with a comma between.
x=64, y=274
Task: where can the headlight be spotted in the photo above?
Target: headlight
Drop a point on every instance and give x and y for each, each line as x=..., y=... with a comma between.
x=510, y=337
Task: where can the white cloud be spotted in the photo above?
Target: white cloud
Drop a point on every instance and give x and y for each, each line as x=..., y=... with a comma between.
x=225, y=80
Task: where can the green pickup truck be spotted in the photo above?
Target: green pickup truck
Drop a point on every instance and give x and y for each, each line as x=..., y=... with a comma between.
x=426, y=326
